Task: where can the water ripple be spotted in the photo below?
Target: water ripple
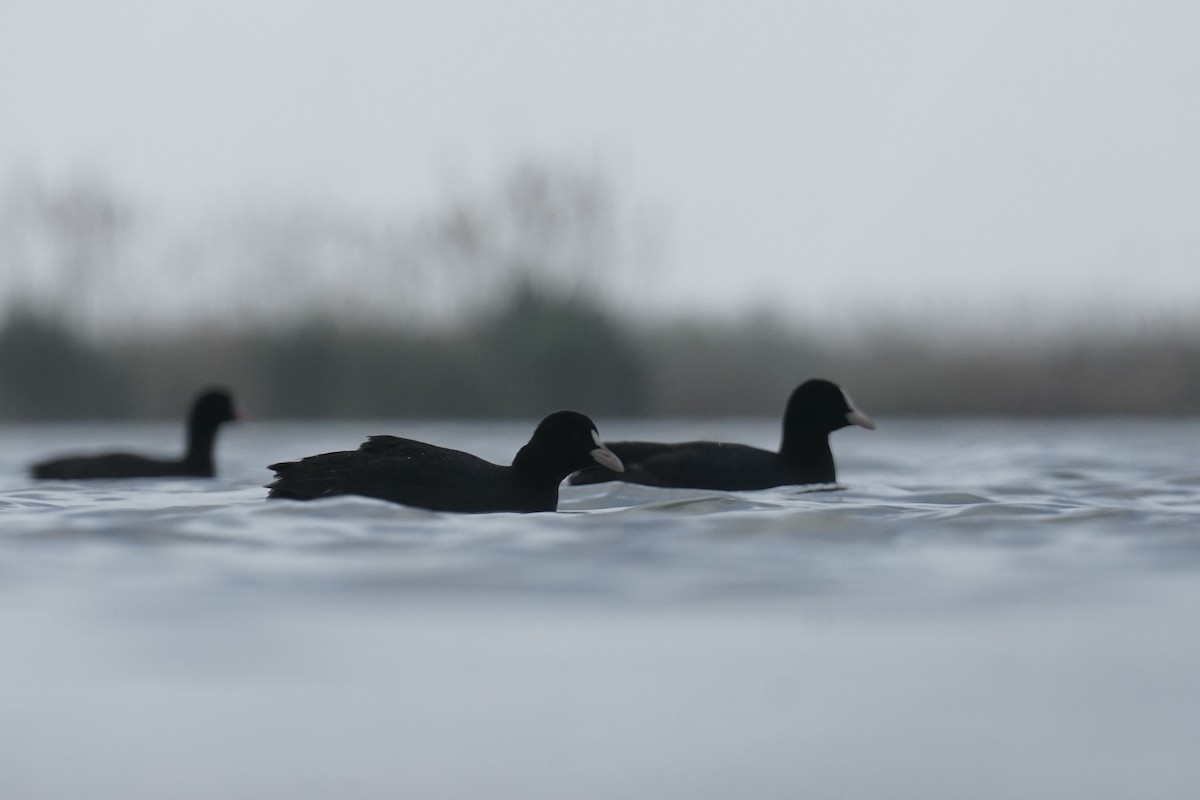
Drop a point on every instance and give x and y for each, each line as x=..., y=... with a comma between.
x=1008, y=600
x=634, y=540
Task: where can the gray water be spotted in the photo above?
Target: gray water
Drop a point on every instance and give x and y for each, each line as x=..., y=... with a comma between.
x=986, y=609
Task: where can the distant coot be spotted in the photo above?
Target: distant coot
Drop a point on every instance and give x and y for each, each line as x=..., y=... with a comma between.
x=427, y=476
x=210, y=409
x=816, y=409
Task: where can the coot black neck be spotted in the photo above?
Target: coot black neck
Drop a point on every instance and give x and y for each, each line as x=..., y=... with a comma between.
x=201, y=436
x=538, y=467
x=809, y=449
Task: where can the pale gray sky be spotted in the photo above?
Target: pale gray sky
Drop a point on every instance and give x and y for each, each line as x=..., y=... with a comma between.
x=832, y=159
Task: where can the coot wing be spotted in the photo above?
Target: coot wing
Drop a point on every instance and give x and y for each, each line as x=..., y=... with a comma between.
x=712, y=465
x=696, y=465
x=405, y=471
x=109, y=465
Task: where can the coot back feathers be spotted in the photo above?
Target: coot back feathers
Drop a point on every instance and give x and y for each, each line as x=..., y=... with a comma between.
x=211, y=408
x=816, y=408
x=427, y=476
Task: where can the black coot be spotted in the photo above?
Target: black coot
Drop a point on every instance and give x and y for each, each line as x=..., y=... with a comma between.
x=816, y=408
x=210, y=409
x=437, y=478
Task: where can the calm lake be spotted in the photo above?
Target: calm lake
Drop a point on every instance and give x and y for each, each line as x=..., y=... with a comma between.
x=988, y=609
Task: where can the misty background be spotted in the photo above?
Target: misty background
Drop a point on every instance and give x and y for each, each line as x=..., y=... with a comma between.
x=382, y=209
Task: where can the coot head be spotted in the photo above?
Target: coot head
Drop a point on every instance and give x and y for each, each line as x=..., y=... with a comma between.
x=821, y=405
x=214, y=406
x=564, y=442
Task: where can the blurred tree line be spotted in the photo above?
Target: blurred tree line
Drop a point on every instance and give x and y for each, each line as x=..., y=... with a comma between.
x=535, y=352
x=500, y=304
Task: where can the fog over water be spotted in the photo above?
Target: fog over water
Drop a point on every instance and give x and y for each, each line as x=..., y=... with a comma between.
x=929, y=161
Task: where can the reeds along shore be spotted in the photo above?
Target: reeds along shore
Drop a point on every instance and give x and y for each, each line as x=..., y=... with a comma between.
x=537, y=350
x=496, y=304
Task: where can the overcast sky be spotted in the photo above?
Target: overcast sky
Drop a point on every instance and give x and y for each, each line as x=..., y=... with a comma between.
x=833, y=159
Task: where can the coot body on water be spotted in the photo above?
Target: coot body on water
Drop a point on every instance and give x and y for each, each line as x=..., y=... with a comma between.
x=816, y=408
x=211, y=409
x=427, y=476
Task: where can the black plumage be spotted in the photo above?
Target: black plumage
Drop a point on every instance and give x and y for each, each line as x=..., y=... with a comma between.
x=816, y=408
x=427, y=476
x=210, y=410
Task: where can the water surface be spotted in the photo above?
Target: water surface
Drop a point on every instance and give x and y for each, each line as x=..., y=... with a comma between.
x=984, y=609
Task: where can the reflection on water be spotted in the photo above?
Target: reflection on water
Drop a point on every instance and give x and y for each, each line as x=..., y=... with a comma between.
x=987, y=609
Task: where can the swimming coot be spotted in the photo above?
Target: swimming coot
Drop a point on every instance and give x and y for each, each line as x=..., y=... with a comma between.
x=210, y=409
x=816, y=408
x=427, y=476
